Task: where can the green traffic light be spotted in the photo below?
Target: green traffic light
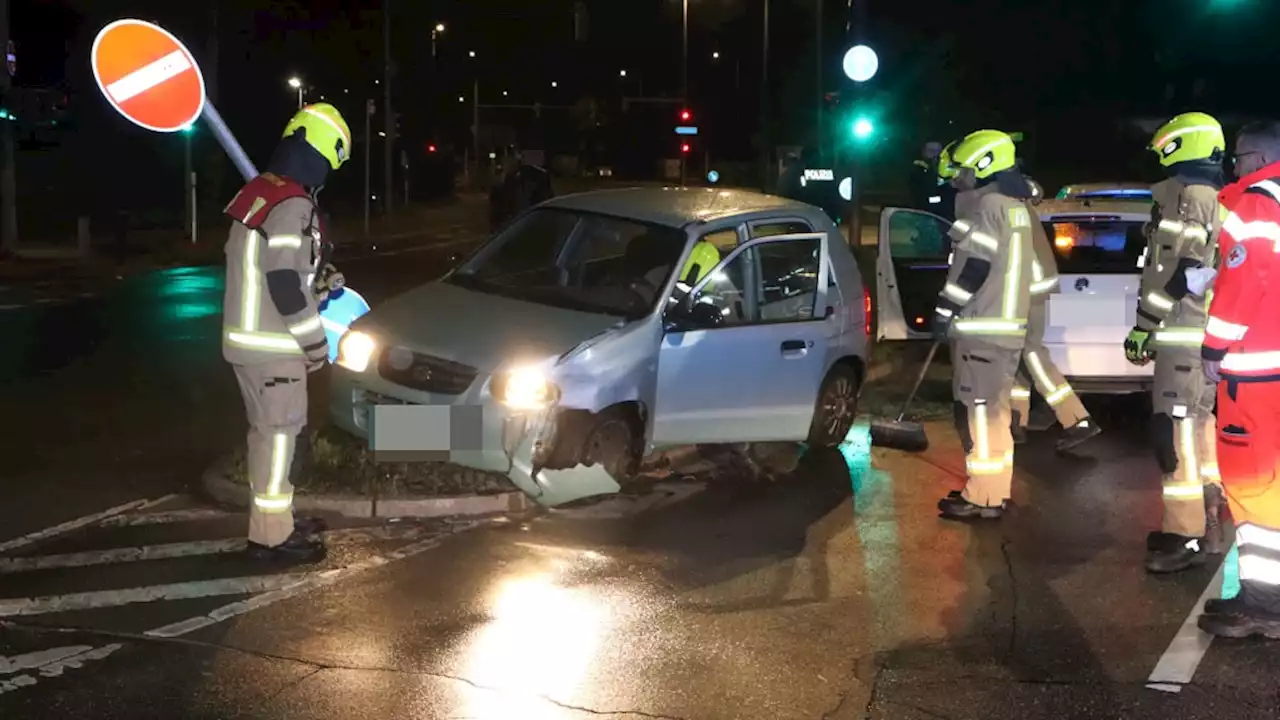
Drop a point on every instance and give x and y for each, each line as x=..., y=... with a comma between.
x=863, y=128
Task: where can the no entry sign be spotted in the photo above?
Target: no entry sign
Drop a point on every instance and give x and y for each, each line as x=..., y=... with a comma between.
x=148, y=75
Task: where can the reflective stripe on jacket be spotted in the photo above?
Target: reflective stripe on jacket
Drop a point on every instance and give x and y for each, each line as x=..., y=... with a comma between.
x=1243, y=330
x=1182, y=235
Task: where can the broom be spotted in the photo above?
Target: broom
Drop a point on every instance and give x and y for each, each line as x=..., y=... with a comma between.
x=903, y=434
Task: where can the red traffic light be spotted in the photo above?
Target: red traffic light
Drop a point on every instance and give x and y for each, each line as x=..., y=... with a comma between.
x=684, y=148
x=431, y=148
x=685, y=116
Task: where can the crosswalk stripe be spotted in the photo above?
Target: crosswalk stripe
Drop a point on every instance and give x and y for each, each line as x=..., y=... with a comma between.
x=152, y=593
x=78, y=523
x=120, y=555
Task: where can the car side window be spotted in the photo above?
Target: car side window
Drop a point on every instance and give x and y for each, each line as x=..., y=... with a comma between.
x=784, y=227
x=918, y=236
x=726, y=290
x=789, y=279
x=723, y=240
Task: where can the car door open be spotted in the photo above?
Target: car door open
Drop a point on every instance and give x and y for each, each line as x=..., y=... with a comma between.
x=743, y=355
x=911, y=268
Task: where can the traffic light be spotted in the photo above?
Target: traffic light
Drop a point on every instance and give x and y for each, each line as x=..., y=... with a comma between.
x=188, y=129
x=684, y=148
x=431, y=148
x=685, y=116
x=863, y=128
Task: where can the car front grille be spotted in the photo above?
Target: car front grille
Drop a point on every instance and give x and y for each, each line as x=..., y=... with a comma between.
x=425, y=372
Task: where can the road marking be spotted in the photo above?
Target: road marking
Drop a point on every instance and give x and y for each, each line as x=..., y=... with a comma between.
x=314, y=581
x=1178, y=664
x=165, y=518
x=49, y=663
x=121, y=555
x=12, y=307
x=151, y=593
x=78, y=523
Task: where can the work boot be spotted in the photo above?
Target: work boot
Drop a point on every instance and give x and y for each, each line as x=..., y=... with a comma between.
x=955, y=507
x=298, y=548
x=1241, y=621
x=1077, y=434
x=1174, y=553
x=310, y=525
x=1227, y=606
x=1215, y=535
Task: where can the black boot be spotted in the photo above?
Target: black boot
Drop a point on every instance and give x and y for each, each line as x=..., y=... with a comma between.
x=1078, y=433
x=310, y=525
x=1215, y=534
x=955, y=507
x=1238, y=617
x=1019, y=434
x=1174, y=553
x=298, y=548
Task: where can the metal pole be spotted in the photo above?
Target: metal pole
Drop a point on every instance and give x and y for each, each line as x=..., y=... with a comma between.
x=229, y=143
x=8, y=180
x=766, y=179
x=299, y=97
x=368, y=159
x=388, y=154
x=684, y=56
x=475, y=122
x=817, y=31
x=855, y=152
x=189, y=186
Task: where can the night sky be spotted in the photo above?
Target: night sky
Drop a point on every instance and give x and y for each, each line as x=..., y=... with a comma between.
x=1065, y=72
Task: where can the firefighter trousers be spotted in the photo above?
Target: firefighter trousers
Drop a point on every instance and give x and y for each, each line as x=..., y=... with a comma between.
x=1249, y=451
x=1037, y=368
x=981, y=388
x=275, y=402
x=1183, y=437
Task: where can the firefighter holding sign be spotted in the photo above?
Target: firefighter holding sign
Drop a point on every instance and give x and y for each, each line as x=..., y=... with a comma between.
x=273, y=335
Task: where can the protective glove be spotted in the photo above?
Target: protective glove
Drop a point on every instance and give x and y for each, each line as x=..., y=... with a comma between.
x=318, y=356
x=1212, y=370
x=1135, y=347
x=941, y=327
x=1199, y=280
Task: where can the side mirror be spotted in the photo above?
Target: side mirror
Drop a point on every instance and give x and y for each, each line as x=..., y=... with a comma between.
x=685, y=316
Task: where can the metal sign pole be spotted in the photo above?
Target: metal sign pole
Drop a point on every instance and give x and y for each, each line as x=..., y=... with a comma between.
x=229, y=143
x=368, y=152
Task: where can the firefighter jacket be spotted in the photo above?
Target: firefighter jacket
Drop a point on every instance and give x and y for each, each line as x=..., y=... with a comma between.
x=269, y=311
x=988, y=289
x=1243, y=329
x=1181, y=235
x=1044, y=264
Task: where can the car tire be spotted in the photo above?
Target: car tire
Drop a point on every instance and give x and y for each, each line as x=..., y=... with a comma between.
x=614, y=444
x=835, y=408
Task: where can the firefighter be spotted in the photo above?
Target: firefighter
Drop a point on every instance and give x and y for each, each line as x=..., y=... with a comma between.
x=923, y=180
x=273, y=335
x=983, y=310
x=1241, y=354
x=1037, y=367
x=1170, y=326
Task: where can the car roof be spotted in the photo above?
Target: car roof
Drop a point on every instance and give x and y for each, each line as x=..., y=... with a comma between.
x=677, y=207
x=1122, y=209
x=1077, y=189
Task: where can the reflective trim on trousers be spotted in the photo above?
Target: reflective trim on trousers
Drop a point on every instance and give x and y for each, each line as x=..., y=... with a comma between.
x=991, y=326
x=272, y=504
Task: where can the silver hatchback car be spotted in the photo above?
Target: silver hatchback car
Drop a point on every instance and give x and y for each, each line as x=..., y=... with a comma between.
x=568, y=347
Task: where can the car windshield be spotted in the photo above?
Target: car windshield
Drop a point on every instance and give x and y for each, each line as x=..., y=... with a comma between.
x=577, y=260
x=1109, y=247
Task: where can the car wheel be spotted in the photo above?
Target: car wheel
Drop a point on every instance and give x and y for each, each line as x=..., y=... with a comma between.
x=614, y=445
x=836, y=408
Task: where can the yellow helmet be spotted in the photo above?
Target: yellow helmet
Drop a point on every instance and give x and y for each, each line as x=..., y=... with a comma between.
x=946, y=164
x=326, y=131
x=1189, y=136
x=986, y=152
x=705, y=256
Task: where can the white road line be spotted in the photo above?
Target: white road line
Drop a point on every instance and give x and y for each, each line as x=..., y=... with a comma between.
x=151, y=593
x=165, y=518
x=121, y=555
x=1178, y=664
x=76, y=524
x=12, y=307
x=317, y=580
x=149, y=76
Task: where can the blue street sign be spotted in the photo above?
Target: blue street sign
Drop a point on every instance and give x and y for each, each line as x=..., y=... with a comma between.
x=713, y=177
x=337, y=313
x=687, y=130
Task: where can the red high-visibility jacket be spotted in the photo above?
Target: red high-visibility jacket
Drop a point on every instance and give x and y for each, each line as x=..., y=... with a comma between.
x=1243, y=331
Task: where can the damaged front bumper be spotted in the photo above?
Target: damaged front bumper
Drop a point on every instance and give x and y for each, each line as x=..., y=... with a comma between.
x=529, y=447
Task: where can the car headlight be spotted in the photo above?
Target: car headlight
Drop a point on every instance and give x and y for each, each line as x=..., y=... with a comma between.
x=355, y=350
x=525, y=389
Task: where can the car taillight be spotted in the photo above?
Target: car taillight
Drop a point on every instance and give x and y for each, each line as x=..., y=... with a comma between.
x=866, y=311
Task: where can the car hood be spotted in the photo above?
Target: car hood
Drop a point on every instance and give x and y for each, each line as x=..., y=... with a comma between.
x=478, y=329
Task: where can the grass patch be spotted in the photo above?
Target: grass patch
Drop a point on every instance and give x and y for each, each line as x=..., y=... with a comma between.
x=341, y=463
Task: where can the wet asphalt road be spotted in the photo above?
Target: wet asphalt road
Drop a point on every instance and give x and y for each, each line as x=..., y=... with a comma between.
x=834, y=593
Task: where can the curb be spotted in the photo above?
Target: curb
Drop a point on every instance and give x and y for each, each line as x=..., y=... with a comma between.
x=216, y=485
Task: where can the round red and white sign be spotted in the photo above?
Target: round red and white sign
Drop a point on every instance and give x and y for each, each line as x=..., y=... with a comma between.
x=148, y=75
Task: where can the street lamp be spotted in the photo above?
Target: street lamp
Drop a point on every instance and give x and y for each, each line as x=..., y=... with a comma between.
x=472, y=53
x=296, y=84
x=435, y=33
x=715, y=55
x=622, y=73
x=554, y=84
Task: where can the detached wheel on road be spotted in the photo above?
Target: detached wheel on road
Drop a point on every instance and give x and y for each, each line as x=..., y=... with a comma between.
x=836, y=408
x=614, y=444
